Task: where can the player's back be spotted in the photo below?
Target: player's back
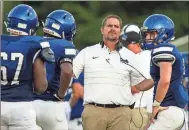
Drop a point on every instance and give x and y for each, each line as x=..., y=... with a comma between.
x=62, y=49
x=17, y=55
x=175, y=95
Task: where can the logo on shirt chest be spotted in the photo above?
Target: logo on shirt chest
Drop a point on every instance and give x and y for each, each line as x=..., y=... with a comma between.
x=95, y=57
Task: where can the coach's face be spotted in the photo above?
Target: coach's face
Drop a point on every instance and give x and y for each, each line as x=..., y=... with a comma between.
x=111, y=29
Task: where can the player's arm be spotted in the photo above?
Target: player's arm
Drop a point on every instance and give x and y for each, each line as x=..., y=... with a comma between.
x=164, y=82
x=65, y=78
x=66, y=73
x=39, y=76
x=45, y=54
x=77, y=93
x=164, y=60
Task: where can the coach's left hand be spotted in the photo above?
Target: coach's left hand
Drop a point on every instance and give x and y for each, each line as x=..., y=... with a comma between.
x=134, y=90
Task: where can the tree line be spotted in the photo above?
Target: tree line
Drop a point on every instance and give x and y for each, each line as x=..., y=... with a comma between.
x=89, y=14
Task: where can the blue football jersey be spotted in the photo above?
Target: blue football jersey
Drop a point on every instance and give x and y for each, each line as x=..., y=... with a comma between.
x=185, y=56
x=177, y=93
x=63, y=50
x=17, y=56
x=78, y=108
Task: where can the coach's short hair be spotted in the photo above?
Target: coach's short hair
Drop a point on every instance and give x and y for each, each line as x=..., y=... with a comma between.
x=111, y=16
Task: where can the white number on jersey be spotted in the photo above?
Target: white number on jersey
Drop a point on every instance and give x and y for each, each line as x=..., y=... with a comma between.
x=14, y=56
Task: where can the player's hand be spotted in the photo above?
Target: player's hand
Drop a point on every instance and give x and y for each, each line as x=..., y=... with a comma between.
x=134, y=90
x=155, y=111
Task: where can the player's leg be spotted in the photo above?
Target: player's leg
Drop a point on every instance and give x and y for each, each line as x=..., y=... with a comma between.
x=4, y=116
x=170, y=119
x=45, y=111
x=75, y=124
x=22, y=116
x=185, y=126
x=50, y=115
x=4, y=127
x=67, y=109
x=18, y=127
x=61, y=120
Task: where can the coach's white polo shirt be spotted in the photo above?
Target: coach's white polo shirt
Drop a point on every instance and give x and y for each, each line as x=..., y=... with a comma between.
x=107, y=79
x=143, y=65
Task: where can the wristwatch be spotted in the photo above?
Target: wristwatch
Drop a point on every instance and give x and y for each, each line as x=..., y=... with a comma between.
x=156, y=103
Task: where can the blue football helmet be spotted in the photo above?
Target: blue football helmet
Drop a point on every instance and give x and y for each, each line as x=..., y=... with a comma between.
x=60, y=24
x=161, y=24
x=22, y=20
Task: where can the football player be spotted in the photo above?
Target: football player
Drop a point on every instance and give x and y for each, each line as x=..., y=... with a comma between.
x=59, y=29
x=22, y=66
x=75, y=98
x=185, y=55
x=170, y=95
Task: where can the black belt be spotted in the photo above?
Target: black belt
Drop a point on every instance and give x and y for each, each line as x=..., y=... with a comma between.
x=111, y=105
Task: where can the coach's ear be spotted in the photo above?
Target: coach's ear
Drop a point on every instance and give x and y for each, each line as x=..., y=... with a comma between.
x=102, y=30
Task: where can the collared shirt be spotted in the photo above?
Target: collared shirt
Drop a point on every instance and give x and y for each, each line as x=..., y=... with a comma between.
x=107, y=79
x=143, y=65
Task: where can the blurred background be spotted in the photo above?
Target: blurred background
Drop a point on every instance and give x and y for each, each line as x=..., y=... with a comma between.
x=89, y=15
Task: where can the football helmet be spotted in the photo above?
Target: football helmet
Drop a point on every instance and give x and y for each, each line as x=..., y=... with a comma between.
x=22, y=20
x=161, y=24
x=60, y=24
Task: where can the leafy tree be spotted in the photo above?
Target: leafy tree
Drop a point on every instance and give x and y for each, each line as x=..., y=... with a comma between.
x=89, y=14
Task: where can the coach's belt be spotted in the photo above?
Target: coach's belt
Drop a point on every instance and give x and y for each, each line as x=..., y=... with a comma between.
x=107, y=105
